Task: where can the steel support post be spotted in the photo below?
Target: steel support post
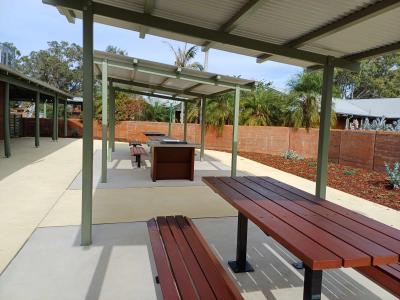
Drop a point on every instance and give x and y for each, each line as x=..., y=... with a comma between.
x=203, y=127
x=324, y=128
x=104, y=123
x=240, y=264
x=111, y=142
x=37, y=120
x=170, y=120
x=65, y=119
x=235, y=131
x=185, y=108
x=54, y=133
x=6, y=120
x=312, y=284
x=87, y=155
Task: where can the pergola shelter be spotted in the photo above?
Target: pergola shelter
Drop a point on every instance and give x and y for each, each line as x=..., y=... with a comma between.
x=15, y=86
x=148, y=78
x=312, y=34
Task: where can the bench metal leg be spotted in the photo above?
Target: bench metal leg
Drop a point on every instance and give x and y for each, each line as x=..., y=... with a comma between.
x=138, y=160
x=312, y=284
x=240, y=264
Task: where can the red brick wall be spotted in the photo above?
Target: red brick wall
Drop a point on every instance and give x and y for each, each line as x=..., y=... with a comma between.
x=357, y=149
x=387, y=149
x=354, y=148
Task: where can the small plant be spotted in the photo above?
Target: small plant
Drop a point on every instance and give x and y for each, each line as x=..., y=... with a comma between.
x=393, y=174
x=349, y=172
x=312, y=164
x=290, y=154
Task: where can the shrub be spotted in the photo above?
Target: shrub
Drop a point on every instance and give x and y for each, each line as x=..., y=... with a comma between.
x=290, y=154
x=349, y=172
x=393, y=174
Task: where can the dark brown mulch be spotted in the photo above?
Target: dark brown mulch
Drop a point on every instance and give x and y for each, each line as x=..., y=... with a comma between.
x=363, y=183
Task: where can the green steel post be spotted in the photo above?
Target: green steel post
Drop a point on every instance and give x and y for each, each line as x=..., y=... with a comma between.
x=37, y=120
x=104, y=123
x=112, y=119
x=87, y=156
x=203, y=127
x=6, y=120
x=65, y=119
x=185, y=108
x=235, y=131
x=170, y=120
x=324, y=128
x=54, y=133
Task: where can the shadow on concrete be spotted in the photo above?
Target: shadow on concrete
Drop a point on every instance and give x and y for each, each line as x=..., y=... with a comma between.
x=24, y=153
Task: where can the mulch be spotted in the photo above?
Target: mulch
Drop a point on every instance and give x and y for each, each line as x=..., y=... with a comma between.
x=367, y=184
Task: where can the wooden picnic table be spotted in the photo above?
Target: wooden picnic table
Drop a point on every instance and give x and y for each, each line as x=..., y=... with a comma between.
x=322, y=234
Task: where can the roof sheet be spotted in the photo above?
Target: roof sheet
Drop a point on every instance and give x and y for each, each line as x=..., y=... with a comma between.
x=379, y=107
x=153, y=77
x=45, y=87
x=274, y=21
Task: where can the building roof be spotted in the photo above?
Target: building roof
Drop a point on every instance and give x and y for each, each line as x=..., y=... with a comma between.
x=19, y=79
x=301, y=33
x=157, y=79
x=379, y=107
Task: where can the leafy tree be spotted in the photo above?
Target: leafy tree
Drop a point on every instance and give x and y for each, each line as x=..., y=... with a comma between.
x=184, y=57
x=15, y=57
x=304, y=100
x=261, y=107
x=59, y=65
x=116, y=50
x=378, y=77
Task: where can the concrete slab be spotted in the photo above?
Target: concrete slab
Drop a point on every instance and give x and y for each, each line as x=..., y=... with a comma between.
x=119, y=265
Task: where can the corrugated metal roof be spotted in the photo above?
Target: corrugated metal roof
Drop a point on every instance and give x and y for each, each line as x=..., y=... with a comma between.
x=379, y=107
x=275, y=21
x=18, y=76
x=153, y=77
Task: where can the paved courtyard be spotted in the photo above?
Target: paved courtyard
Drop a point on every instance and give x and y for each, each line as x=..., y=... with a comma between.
x=40, y=203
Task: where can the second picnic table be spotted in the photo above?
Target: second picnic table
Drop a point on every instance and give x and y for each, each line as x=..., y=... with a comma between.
x=322, y=234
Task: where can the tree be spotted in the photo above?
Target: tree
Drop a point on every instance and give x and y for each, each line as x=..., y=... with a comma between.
x=219, y=111
x=184, y=57
x=59, y=65
x=157, y=113
x=378, y=77
x=303, y=105
x=261, y=107
x=116, y=50
x=15, y=53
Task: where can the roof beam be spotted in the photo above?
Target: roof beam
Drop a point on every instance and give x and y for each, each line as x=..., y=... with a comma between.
x=240, y=16
x=366, y=54
x=151, y=95
x=177, y=74
x=28, y=86
x=201, y=32
x=157, y=88
x=149, y=6
x=352, y=19
x=68, y=13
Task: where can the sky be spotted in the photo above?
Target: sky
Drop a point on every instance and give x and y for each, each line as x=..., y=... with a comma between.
x=30, y=24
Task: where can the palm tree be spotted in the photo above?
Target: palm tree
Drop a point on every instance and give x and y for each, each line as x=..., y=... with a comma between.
x=219, y=111
x=184, y=57
x=255, y=109
x=304, y=101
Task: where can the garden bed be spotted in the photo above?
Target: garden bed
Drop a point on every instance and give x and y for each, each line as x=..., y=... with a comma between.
x=363, y=183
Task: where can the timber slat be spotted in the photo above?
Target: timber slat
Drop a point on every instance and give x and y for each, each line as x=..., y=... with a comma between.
x=378, y=253
x=181, y=274
x=313, y=255
x=199, y=280
x=367, y=232
x=351, y=256
x=165, y=276
x=378, y=226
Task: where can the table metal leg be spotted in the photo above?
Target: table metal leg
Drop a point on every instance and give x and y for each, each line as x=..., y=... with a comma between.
x=312, y=284
x=240, y=264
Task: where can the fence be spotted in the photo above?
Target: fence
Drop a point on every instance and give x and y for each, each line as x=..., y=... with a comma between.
x=365, y=149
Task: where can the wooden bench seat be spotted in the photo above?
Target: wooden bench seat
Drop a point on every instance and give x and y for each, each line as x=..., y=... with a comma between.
x=387, y=276
x=186, y=266
x=137, y=152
